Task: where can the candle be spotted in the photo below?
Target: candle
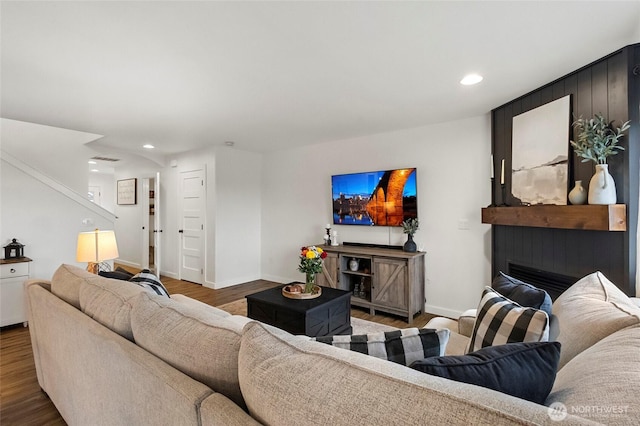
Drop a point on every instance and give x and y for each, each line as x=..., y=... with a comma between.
x=502, y=173
x=328, y=226
x=491, y=166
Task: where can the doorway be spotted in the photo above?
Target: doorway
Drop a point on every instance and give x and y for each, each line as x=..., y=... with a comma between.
x=95, y=195
x=151, y=224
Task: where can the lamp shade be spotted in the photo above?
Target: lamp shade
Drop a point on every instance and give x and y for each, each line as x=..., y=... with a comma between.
x=96, y=246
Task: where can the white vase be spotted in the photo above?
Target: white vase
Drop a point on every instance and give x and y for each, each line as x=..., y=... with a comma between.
x=602, y=188
x=578, y=195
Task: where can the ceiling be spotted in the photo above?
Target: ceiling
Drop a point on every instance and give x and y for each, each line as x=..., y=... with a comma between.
x=274, y=75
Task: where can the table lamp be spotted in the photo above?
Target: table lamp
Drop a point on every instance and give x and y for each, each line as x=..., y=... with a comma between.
x=95, y=247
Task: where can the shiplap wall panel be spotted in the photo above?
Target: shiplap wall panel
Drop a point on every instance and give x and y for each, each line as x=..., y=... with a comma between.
x=602, y=87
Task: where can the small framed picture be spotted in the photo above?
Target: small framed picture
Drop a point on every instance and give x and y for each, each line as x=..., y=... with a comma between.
x=127, y=191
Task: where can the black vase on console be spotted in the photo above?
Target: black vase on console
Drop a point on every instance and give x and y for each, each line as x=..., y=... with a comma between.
x=410, y=245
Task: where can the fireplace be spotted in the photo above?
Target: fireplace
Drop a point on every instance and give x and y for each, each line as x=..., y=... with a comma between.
x=551, y=282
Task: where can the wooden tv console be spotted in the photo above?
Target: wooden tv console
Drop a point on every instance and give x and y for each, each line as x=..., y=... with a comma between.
x=393, y=279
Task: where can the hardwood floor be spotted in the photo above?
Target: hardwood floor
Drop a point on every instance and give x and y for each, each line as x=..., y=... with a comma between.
x=22, y=402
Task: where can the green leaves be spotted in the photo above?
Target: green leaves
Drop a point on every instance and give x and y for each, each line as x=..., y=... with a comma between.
x=597, y=139
x=410, y=226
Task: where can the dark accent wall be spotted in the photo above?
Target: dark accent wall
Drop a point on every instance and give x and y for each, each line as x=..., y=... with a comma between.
x=610, y=86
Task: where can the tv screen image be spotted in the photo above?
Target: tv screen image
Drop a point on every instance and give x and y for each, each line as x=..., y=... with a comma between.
x=380, y=198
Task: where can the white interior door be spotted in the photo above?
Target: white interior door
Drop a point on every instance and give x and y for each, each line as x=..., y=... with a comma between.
x=191, y=194
x=144, y=204
x=157, y=228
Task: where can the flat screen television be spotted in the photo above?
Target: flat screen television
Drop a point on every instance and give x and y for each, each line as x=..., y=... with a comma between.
x=381, y=198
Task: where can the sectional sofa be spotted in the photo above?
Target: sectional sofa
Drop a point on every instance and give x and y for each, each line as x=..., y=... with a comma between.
x=107, y=352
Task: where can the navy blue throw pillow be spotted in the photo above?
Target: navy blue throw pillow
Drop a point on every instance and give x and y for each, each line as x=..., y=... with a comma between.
x=522, y=293
x=523, y=370
x=115, y=275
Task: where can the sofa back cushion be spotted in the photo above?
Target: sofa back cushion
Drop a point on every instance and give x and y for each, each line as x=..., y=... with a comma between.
x=66, y=281
x=108, y=301
x=602, y=382
x=201, y=344
x=590, y=310
x=105, y=300
x=285, y=377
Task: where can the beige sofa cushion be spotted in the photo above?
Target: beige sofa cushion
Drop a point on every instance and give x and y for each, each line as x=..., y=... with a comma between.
x=590, y=310
x=103, y=299
x=602, y=383
x=66, y=281
x=201, y=344
x=457, y=344
x=198, y=305
x=108, y=301
x=466, y=322
x=289, y=379
x=219, y=410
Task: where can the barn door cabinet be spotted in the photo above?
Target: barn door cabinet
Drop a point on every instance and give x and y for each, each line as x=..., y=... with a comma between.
x=380, y=279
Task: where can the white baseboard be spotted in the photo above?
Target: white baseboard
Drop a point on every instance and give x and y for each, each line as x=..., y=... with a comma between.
x=229, y=283
x=445, y=312
x=127, y=263
x=169, y=274
x=277, y=279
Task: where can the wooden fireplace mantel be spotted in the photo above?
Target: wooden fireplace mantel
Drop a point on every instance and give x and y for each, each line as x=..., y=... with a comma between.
x=586, y=217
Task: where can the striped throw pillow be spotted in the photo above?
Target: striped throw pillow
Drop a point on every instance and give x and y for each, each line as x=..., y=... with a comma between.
x=400, y=346
x=150, y=282
x=500, y=321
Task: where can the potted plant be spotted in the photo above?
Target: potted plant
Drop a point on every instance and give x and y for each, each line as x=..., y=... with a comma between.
x=409, y=227
x=596, y=140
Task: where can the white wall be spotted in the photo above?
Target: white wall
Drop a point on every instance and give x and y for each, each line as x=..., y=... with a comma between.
x=452, y=161
x=44, y=220
x=107, y=183
x=238, y=209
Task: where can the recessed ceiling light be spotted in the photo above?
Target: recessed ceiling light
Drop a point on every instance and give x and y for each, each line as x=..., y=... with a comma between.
x=95, y=170
x=92, y=162
x=148, y=146
x=229, y=143
x=470, y=79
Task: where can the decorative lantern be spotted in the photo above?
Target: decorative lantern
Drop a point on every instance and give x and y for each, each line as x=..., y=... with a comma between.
x=13, y=250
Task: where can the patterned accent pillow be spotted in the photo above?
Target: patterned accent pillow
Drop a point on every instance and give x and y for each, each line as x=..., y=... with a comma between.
x=501, y=320
x=400, y=346
x=150, y=282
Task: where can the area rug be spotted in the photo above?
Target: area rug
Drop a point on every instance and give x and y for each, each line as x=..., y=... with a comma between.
x=360, y=326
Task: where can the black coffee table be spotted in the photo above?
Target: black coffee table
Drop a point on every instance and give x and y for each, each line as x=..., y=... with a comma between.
x=326, y=315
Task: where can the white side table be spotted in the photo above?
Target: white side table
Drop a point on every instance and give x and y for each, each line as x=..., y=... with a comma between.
x=13, y=274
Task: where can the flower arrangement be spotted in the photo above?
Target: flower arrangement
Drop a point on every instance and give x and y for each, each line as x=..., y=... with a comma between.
x=597, y=139
x=311, y=264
